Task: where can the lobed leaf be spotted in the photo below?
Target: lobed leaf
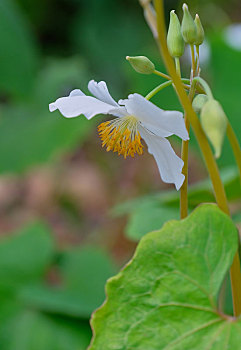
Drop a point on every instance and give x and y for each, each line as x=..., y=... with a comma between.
x=166, y=297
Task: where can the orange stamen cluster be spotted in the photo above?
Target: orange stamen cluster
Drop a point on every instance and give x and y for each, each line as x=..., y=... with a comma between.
x=118, y=137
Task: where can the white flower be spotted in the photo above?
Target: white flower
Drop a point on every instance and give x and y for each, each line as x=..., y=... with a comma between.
x=136, y=118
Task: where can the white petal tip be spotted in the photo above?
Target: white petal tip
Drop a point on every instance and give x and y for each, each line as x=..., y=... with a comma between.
x=179, y=183
x=52, y=107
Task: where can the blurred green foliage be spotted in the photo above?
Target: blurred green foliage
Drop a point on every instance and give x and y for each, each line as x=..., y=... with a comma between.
x=88, y=42
x=150, y=212
x=47, y=48
x=46, y=295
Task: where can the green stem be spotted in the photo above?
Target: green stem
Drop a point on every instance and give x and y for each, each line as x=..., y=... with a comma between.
x=178, y=68
x=204, y=146
x=205, y=86
x=193, y=62
x=235, y=146
x=198, y=60
x=185, y=150
x=163, y=86
x=184, y=156
x=163, y=75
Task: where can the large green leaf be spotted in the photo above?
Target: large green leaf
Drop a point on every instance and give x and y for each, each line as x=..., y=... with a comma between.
x=18, y=54
x=25, y=256
x=166, y=297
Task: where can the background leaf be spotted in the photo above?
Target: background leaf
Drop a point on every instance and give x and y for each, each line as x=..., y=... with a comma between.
x=150, y=212
x=83, y=274
x=38, y=311
x=25, y=257
x=148, y=217
x=226, y=86
x=40, y=135
x=18, y=54
x=30, y=330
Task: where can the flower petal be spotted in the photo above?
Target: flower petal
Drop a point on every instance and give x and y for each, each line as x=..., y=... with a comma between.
x=74, y=105
x=77, y=92
x=160, y=122
x=169, y=164
x=100, y=91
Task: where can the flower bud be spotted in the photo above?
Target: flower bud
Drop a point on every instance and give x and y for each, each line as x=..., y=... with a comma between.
x=141, y=64
x=199, y=102
x=175, y=40
x=200, y=31
x=188, y=27
x=214, y=123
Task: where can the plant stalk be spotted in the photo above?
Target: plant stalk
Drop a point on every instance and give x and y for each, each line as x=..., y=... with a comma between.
x=163, y=86
x=235, y=146
x=204, y=146
x=185, y=150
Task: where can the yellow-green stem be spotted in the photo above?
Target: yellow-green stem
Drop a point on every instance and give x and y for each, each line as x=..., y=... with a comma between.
x=204, y=146
x=163, y=86
x=184, y=188
x=193, y=62
x=178, y=68
x=198, y=60
x=184, y=153
x=163, y=75
x=235, y=146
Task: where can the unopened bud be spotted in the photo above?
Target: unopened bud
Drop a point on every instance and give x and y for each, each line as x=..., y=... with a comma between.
x=141, y=64
x=200, y=31
x=188, y=27
x=199, y=102
x=175, y=40
x=214, y=123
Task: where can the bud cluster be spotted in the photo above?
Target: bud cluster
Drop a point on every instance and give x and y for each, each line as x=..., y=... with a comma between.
x=190, y=32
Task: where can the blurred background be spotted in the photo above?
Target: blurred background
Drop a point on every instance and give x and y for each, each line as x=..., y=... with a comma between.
x=71, y=214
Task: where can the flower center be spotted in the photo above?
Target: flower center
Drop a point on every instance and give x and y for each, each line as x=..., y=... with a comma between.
x=121, y=135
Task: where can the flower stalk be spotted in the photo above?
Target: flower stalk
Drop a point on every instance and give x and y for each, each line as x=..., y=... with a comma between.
x=185, y=150
x=235, y=146
x=163, y=86
x=204, y=146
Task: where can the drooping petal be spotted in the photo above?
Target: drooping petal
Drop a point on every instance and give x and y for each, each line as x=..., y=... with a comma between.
x=169, y=164
x=160, y=122
x=100, y=91
x=74, y=105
